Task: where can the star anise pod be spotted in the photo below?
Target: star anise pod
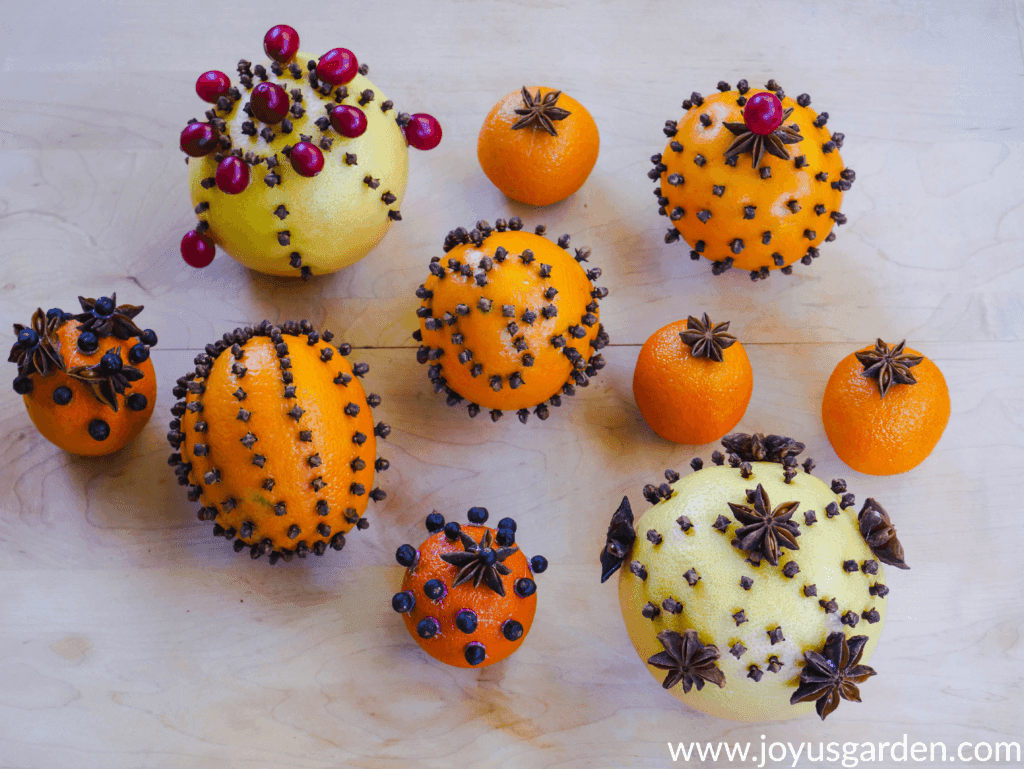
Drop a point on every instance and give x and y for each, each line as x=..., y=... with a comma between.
x=756, y=144
x=480, y=562
x=880, y=534
x=766, y=531
x=688, y=660
x=37, y=350
x=109, y=378
x=889, y=365
x=103, y=316
x=619, y=540
x=707, y=339
x=833, y=673
x=540, y=111
x=762, y=448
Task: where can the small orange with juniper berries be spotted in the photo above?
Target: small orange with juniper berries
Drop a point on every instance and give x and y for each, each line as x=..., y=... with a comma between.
x=86, y=379
x=468, y=596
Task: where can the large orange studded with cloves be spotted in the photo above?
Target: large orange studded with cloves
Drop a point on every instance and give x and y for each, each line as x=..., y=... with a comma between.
x=468, y=596
x=274, y=435
x=509, y=321
x=751, y=179
x=86, y=379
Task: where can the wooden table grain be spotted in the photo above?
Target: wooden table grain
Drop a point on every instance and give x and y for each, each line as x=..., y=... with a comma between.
x=129, y=637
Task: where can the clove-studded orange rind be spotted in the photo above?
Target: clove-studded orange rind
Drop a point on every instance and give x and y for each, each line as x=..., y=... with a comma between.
x=751, y=179
x=274, y=436
x=509, y=321
x=86, y=379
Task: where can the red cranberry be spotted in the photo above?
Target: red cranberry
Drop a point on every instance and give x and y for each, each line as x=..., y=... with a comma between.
x=763, y=113
x=212, y=85
x=232, y=175
x=281, y=43
x=307, y=159
x=269, y=103
x=348, y=121
x=423, y=131
x=199, y=139
x=337, y=67
x=197, y=250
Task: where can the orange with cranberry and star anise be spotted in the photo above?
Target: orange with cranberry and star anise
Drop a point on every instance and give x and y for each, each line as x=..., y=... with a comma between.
x=751, y=179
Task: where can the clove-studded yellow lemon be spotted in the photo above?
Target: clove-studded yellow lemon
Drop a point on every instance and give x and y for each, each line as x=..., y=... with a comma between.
x=299, y=169
x=751, y=589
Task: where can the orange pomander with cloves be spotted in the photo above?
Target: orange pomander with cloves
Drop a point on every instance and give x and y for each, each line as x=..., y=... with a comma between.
x=885, y=408
x=509, y=320
x=751, y=179
x=274, y=435
x=468, y=597
x=86, y=379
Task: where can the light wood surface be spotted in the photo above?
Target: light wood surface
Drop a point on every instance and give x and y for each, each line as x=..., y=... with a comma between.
x=129, y=637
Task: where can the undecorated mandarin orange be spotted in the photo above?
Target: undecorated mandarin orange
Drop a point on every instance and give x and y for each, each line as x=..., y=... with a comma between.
x=468, y=596
x=538, y=145
x=692, y=381
x=274, y=435
x=87, y=380
x=510, y=320
x=885, y=408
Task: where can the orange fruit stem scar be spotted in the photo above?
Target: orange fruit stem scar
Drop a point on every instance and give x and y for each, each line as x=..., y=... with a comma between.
x=692, y=381
x=510, y=320
x=538, y=145
x=751, y=179
x=885, y=408
x=86, y=379
x=468, y=596
x=274, y=435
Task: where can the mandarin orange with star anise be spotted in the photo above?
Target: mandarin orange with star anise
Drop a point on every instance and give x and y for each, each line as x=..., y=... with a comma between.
x=693, y=381
x=885, y=408
x=538, y=145
x=468, y=596
x=86, y=379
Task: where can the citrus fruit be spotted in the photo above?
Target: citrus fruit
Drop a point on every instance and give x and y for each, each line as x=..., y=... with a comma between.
x=538, y=145
x=86, y=379
x=274, y=436
x=751, y=179
x=692, y=381
x=468, y=596
x=751, y=589
x=885, y=408
x=301, y=167
x=510, y=320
